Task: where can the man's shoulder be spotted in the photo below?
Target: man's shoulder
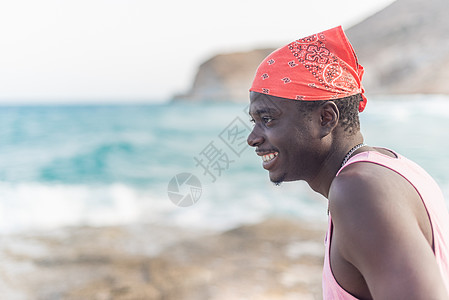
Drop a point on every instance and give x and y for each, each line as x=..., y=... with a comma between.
x=363, y=180
x=365, y=201
x=369, y=190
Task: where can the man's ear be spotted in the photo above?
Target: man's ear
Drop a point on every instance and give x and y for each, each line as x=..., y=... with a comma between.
x=329, y=114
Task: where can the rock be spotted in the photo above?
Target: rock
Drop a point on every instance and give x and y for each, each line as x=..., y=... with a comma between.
x=404, y=49
x=276, y=259
x=225, y=77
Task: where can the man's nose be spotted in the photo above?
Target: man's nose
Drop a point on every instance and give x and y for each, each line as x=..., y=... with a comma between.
x=254, y=138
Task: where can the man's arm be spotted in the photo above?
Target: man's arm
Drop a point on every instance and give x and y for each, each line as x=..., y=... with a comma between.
x=374, y=212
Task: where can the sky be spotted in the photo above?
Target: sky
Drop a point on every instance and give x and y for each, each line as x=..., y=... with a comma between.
x=65, y=51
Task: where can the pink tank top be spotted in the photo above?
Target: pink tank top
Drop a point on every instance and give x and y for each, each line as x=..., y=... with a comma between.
x=433, y=200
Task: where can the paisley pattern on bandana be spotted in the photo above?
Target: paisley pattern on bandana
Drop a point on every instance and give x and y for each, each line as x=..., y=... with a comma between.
x=321, y=66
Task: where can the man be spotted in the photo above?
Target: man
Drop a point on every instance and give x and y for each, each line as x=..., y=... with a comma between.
x=388, y=234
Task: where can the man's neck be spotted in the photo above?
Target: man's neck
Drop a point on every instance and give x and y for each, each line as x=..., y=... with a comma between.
x=332, y=163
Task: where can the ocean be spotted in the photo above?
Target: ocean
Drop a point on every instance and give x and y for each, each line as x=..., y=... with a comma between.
x=76, y=165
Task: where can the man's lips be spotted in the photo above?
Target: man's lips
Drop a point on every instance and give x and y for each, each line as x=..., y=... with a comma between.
x=268, y=157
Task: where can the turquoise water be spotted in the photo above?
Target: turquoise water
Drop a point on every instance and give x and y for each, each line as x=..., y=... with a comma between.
x=102, y=165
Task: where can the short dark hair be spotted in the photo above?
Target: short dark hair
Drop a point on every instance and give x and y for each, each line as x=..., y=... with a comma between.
x=347, y=106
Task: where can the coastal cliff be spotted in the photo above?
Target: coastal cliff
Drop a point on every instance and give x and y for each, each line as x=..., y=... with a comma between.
x=225, y=77
x=404, y=49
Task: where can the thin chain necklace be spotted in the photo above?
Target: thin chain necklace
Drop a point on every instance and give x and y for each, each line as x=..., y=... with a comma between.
x=345, y=160
x=348, y=155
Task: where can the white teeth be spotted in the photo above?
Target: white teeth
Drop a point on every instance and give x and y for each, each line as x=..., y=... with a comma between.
x=268, y=157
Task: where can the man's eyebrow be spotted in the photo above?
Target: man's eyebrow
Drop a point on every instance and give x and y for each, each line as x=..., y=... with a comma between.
x=265, y=110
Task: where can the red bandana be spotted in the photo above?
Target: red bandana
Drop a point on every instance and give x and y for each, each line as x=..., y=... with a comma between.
x=322, y=66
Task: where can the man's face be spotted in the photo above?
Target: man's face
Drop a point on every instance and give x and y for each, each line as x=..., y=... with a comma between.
x=286, y=140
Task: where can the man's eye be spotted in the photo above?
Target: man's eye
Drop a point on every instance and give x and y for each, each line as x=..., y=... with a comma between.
x=267, y=120
x=252, y=120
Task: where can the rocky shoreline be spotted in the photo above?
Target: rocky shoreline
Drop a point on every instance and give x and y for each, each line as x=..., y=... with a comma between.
x=274, y=259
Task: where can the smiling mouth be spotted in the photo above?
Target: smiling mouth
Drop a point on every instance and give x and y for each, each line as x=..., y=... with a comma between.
x=269, y=160
x=269, y=157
